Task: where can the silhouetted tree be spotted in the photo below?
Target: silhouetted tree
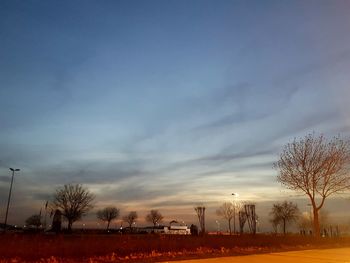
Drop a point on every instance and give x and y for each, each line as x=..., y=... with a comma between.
x=74, y=201
x=249, y=210
x=317, y=167
x=227, y=211
x=34, y=220
x=242, y=219
x=130, y=218
x=57, y=221
x=284, y=213
x=154, y=217
x=200, y=210
x=275, y=222
x=237, y=206
x=108, y=214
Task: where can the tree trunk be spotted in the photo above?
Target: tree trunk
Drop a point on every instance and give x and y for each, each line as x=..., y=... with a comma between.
x=108, y=225
x=234, y=219
x=316, y=223
x=229, y=226
x=70, y=223
x=284, y=226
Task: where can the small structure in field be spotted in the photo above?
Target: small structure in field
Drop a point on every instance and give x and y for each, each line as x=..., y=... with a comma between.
x=177, y=230
x=167, y=230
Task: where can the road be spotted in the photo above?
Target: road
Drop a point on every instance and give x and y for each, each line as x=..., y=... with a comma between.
x=335, y=255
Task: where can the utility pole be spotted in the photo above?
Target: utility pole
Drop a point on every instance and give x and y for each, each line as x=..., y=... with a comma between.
x=9, y=198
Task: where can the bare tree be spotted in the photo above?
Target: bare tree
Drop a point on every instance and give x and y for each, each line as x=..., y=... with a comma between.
x=284, y=213
x=200, y=210
x=237, y=206
x=242, y=219
x=56, y=221
x=154, y=217
x=108, y=214
x=130, y=218
x=74, y=201
x=249, y=210
x=317, y=167
x=227, y=211
x=275, y=223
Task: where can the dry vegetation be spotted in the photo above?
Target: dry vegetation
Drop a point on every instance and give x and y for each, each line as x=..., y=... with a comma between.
x=146, y=248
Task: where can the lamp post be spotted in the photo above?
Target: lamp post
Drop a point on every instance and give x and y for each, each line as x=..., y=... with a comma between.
x=218, y=226
x=234, y=212
x=9, y=198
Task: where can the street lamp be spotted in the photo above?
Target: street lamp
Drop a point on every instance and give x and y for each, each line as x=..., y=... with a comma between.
x=234, y=212
x=218, y=225
x=9, y=198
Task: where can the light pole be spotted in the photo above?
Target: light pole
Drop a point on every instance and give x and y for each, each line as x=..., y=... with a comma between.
x=218, y=225
x=9, y=198
x=234, y=212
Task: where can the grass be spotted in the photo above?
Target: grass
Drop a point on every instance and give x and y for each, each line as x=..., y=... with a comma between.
x=146, y=248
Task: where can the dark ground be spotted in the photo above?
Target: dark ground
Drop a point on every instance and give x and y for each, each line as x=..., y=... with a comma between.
x=147, y=248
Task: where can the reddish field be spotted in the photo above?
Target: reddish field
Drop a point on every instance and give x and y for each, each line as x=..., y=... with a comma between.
x=146, y=248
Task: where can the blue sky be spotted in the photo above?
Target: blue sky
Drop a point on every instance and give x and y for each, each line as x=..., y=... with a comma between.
x=165, y=104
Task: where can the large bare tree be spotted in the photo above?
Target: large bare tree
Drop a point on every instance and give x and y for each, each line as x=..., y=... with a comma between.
x=251, y=217
x=242, y=219
x=200, y=211
x=154, y=217
x=74, y=201
x=316, y=166
x=108, y=214
x=130, y=218
x=284, y=213
x=227, y=211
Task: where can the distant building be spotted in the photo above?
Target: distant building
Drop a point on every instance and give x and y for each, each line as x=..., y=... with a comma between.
x=177, y=230
x=167, y=230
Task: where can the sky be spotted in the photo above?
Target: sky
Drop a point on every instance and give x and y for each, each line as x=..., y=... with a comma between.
x=166, y=104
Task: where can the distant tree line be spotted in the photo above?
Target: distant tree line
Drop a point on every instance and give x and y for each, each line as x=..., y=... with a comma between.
x=313, y=165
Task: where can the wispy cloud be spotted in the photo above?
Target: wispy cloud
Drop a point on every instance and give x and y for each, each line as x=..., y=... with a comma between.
x=322, y=64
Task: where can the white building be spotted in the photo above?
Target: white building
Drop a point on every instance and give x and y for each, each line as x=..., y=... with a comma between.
x=168, y=230
x=177, y=230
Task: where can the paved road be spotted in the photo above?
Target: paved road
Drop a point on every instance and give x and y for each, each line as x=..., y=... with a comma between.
x=336, y=255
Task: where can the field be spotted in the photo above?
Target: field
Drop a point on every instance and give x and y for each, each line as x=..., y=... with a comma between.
x=146, y=248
